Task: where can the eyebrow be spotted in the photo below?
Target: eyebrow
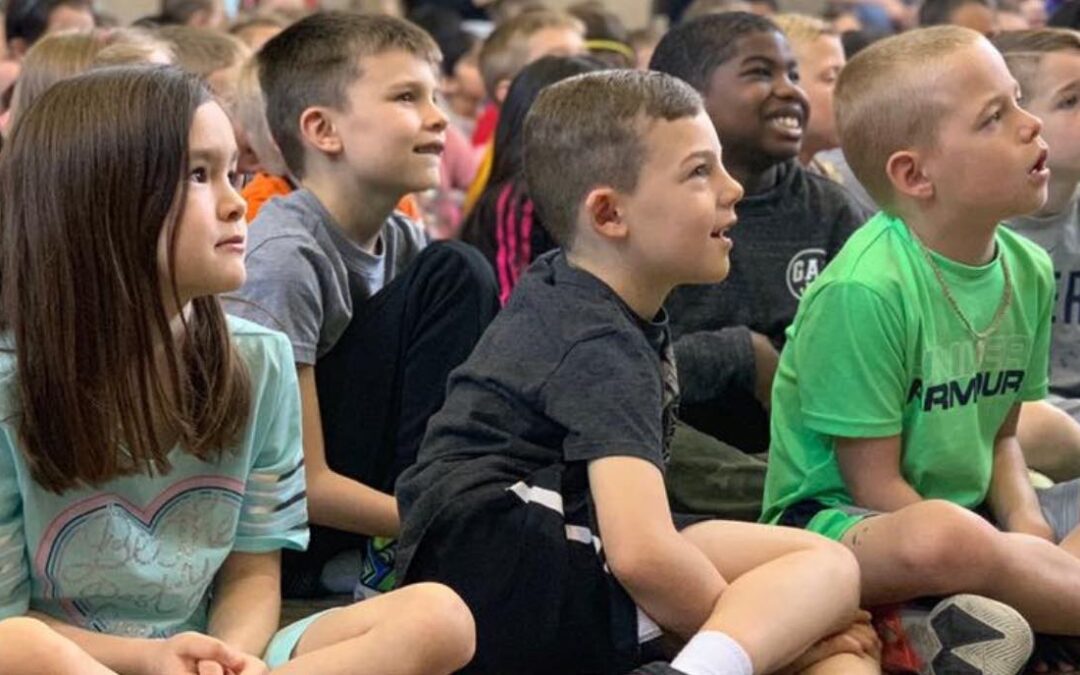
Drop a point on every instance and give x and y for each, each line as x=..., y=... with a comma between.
x=764, y=59
x=212, y=154
x=998, y=100
x=708, y=155
x=1075, y=84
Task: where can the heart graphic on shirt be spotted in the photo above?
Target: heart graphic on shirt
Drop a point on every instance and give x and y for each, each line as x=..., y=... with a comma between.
x=121, y=569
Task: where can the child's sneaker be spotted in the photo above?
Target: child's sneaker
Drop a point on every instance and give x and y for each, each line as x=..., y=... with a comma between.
x=961, y=635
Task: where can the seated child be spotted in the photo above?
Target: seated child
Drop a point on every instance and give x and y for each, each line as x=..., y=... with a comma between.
x=503, y=224
x=377, y=318
x=141, y=528
x=513, y=45
x=260, y=162
x=539, y=491
x=896, y=401
x=793, y=223
x=1045, y=63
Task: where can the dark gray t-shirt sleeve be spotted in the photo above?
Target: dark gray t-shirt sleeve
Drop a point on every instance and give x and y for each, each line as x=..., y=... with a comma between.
x=607, y=394
x=282, y=292
x=712, y=363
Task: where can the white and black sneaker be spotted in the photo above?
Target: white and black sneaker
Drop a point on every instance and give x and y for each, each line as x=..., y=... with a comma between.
x=966, y=635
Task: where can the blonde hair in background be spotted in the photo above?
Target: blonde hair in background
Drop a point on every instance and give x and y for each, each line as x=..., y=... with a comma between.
x=128, y=46
x=886, y=100
x=802, y=28
x=249, y=111
x=506, y=51
x=52, y=58
x=203, y=51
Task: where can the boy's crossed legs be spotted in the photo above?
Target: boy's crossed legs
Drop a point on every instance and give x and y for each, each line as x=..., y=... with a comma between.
x=936, y=548
x=786, y=588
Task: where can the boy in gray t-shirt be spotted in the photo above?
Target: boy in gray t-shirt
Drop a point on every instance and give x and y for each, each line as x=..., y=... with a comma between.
x=376, y=316
x=1045, y=63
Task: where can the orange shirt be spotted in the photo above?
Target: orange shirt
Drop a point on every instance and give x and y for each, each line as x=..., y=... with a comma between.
x=264, y=186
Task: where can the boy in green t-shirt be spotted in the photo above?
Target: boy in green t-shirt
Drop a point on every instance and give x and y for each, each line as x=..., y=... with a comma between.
x=897, y=395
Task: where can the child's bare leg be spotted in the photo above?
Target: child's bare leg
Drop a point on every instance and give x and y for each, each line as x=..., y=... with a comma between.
x=1050, y=439
x=421, y=629
x=845, y=664
x=938, y=548
x=29, y=647
x=787, y=588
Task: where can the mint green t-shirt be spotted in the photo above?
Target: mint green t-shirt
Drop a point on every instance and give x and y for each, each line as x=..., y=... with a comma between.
x=877, y=350
x=137, y=556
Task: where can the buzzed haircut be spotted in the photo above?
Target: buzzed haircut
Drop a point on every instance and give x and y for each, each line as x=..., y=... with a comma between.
x=506, y=50
x=313, y=62
x=939, y=12
x=1024, y=50
x=691, y=51
x=588, y=131
x=885, y=103
x=203, y=51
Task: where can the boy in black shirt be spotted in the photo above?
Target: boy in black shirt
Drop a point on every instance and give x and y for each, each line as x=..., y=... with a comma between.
x=792, y=222
x=539, y=490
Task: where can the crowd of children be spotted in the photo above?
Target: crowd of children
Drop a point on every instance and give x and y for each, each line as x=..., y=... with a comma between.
x=537, y=345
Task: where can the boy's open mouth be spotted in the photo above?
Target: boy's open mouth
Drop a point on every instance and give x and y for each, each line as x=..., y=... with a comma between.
x=721, y=231
x=1040, y=165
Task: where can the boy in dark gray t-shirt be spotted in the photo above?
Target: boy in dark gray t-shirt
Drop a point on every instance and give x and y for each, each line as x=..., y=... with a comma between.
x=538, y=494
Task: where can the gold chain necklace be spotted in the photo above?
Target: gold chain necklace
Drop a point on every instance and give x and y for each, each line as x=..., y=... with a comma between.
x=980, y=337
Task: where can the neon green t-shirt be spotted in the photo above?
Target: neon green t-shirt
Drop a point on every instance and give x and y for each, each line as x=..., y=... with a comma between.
x=877, y=350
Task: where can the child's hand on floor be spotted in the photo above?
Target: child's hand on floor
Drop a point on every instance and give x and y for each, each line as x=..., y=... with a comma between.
x=252, y=666
x=188, y=654
x=860, y=638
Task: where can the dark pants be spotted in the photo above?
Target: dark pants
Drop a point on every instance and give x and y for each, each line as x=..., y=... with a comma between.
x=386, y=376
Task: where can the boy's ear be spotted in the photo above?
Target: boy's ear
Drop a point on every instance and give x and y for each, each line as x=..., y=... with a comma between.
x=602, y=210
x=501, y=90
x=319, y=131
x=907, y=174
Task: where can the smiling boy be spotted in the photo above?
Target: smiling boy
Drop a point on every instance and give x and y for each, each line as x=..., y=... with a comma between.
x=793, y=223
x=896, y=402
x=376, y=317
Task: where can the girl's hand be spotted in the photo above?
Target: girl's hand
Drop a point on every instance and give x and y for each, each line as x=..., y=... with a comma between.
x=859, y=639
x=252, y=666
x=185, y=654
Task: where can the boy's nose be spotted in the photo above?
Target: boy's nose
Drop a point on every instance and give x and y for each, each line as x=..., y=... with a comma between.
x=1033, y=127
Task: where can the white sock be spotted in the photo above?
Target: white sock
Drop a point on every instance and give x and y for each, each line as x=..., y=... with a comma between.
x=713, y=653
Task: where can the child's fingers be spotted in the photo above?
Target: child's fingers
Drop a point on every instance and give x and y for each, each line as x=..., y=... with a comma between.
x=210, y=668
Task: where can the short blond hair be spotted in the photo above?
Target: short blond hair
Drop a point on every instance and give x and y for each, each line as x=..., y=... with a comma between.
x=506, y=51
x=249, y=111
x=52, y=58
x=1024, y=51
x=129, y=46
x=802, y=28
x=886, y=101
x=203, y=51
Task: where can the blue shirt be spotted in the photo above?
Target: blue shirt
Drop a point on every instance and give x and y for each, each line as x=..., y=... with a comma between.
x=138, y=555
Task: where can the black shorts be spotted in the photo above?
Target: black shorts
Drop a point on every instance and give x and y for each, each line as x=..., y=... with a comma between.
x=534, y=578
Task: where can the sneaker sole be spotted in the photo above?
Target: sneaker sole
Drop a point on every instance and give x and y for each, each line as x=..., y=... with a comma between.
x=973, y=635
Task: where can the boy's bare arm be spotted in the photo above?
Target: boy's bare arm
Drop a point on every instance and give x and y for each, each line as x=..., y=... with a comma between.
x=666, y=575
x=1011, y=497
x=335, y=500
x=871, y=470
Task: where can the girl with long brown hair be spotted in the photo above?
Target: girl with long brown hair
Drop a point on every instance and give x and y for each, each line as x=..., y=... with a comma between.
x=150, y=457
